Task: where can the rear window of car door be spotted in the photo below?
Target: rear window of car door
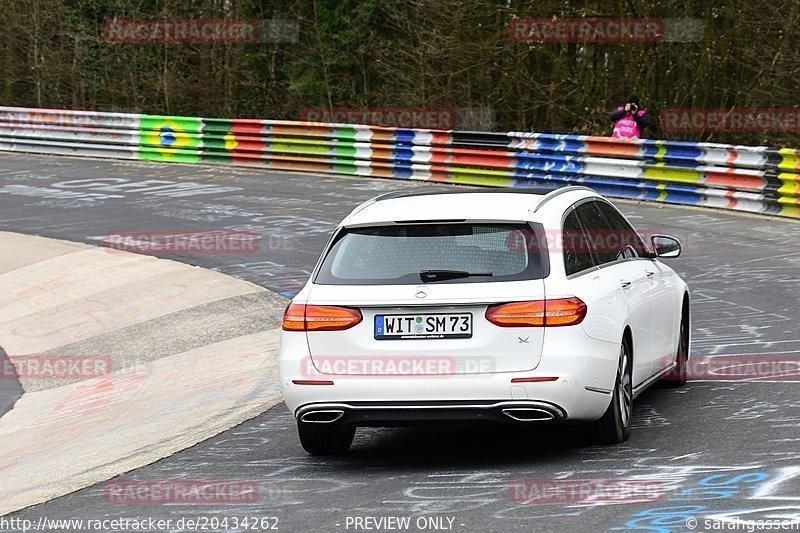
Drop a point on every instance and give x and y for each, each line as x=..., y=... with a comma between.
x=624, y=238
x=597, y=231
x=577, y=254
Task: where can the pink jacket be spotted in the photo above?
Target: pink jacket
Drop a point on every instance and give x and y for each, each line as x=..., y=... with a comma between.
x=626, y=127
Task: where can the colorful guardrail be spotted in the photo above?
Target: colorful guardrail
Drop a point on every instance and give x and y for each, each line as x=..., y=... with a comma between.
x=757, y=179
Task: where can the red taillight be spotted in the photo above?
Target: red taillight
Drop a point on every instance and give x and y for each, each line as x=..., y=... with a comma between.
x=294, y=318
x=517, y=315
x=550, y=313
x=537, y=379
x=302, y=317
x=564, y=312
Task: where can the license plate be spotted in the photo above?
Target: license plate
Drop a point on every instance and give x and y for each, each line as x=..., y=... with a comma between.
x=429, y=326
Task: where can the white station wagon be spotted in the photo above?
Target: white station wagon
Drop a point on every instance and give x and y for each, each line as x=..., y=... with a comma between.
x=482, y=305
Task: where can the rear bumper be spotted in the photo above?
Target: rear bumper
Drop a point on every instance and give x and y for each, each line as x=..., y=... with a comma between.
x=584, y=372
x=420, y=413
x=395, y=401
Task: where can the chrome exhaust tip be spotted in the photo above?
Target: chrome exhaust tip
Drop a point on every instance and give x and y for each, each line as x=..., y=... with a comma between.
x=528, y=414
x=322, y=416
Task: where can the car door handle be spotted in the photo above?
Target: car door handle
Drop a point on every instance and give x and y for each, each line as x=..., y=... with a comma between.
x=649, y=274
x=625, y=284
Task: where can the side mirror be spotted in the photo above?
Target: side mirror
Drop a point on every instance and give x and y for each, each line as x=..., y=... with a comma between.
x=666, y=246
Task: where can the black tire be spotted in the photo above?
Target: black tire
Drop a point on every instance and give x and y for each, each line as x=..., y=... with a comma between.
x=677, y=376
x=322, y=439
x=615, y=425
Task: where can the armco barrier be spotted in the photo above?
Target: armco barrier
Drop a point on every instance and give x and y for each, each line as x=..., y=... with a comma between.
x=747, y=178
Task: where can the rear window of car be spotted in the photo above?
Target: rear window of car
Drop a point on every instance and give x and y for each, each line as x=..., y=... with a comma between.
x=398, y=254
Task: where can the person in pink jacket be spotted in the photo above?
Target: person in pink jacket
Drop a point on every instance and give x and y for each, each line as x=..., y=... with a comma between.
x=630, y=119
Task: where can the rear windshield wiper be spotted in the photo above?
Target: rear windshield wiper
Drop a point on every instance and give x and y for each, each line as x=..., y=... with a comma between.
x=436, y=275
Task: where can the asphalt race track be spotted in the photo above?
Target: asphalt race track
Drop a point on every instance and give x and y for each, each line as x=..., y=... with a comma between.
x=714, y=448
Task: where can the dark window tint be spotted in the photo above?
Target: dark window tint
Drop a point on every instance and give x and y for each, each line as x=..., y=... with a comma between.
x=623, y=240
x=399, y=254
x=597, y=231
x=577, y=256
